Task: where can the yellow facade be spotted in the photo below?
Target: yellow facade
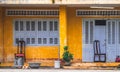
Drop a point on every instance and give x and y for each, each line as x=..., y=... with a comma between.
x=1, y=34
x=32, y=52
x=63, y=28
x=70, y=33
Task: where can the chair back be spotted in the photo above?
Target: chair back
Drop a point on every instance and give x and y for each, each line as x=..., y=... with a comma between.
x=96, y=46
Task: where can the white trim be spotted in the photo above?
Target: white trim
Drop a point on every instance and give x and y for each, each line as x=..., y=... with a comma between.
x=32, y=12
x=37, y=34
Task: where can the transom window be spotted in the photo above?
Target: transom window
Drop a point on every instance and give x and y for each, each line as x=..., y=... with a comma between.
x=41, y=32
x=29, y=12
x=97, y=12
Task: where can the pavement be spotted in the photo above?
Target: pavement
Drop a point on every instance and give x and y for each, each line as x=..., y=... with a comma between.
x=54, y=70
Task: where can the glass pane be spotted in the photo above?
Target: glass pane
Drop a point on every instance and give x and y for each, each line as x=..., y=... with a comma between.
x=39, y=41
x=28, y=25
x=33, y=26
x=16, y=26
x=109, y=33
x=55, y=41
x=39, y=26
x=33, y=41
x=86, y=32
x=51, y=41
x=16, y=40
x=44, y=41
x=28, y=41
x=21, y=25
x=55, y=26
x=21, y=39
x=119, y=32
x=44, y=25
x=51, y=25
x=91, y=32
x=113, y=32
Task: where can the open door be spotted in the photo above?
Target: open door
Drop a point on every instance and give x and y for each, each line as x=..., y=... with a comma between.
x=111, y=32
x=87, y=51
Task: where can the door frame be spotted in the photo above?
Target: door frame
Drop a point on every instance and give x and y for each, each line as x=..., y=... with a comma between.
x=93, y=19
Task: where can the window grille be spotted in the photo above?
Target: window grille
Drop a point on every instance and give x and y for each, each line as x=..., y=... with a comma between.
x=22, y=12
x=98, y=12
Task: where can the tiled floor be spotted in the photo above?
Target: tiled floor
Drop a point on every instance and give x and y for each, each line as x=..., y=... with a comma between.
x=54, y=70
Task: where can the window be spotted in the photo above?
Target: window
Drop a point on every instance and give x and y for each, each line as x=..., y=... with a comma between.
x=88, y=31
x=42, y=32
x=23, y=12
x=97, y=12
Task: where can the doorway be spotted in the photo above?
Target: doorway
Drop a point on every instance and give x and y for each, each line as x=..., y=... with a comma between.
x=107, y=32
x=100, y=34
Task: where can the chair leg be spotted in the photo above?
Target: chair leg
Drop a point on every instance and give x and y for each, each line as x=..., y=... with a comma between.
x=94, y=58
x=99, y=58
x=105, y=58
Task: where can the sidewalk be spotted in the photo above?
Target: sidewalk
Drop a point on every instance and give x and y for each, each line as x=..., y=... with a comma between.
x=54, y=70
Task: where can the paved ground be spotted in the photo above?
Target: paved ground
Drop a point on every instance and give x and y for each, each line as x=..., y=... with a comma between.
x=54, y=70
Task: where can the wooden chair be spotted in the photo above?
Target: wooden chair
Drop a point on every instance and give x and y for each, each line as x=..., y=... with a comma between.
x=97, y=52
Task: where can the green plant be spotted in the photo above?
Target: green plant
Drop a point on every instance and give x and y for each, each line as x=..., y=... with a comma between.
x=67, y=56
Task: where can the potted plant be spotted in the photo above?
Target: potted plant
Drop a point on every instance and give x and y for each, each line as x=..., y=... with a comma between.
x=67, y=56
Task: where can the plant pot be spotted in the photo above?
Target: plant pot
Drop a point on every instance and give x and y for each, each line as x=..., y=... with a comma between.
x=67, y=63
x=34, y=65
x=57, y=64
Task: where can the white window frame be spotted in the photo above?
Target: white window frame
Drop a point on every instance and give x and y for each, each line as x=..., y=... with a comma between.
x=37, y=34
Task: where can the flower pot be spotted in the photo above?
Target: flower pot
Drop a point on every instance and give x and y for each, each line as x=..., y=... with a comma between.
x=67, y=63
x=34, y=65
x=57, y=64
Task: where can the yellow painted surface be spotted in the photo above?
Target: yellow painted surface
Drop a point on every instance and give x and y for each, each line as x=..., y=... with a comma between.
x=74, y=33
x=1, y=34
x=32, y=52
x=70, y=34
x=63, y=28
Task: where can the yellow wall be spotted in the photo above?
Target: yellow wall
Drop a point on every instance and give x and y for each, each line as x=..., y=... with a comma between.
x=1, y=34
x=70, y=34
x=74, y=33
x=63, y=28
x=32, y=52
